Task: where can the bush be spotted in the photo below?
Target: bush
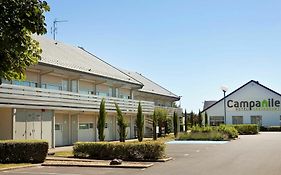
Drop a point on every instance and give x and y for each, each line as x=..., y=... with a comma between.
x=201, y=129
x=212, y=135
x=23, y=151
x=148, y=150
x=247, y=129
x=230, y=131
x=270, y=128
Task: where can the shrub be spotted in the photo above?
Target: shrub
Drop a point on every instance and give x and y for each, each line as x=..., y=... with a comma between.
x=229, y=130
x=148, y=150
x=201, y=129
x=270, y=128
x=23, y=151
x=212, y=135
x=247, y=129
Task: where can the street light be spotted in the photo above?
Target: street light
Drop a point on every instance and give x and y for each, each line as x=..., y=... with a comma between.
x=224, y=89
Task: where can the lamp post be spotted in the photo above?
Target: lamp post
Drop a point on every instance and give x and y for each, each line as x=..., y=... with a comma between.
x=224, y=89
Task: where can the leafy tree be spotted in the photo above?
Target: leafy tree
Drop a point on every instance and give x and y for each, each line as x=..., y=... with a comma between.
x=19, y=19
x=154, y=125
x=175, y=119
x=140, y=123
x=186, y=120
x=206, y=118
x=121, y=123
x=200, y=119
x=169, y=125
x=162, y=116
x=191, y=119
x=101, y=120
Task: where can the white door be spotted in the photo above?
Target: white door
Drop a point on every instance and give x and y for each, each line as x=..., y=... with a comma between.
x=86, y=132
x=128, y=132
x=58, y=134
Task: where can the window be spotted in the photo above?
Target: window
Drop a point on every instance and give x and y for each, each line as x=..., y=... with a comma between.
x=57, y=127
x=74, y=86
x=216, y=120
x=64, y=85
x=86, y=125
x=237, y=120
x=256, y=120
x=24, y=83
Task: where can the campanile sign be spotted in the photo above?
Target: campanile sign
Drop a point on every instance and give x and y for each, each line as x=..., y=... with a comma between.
x=269, y=104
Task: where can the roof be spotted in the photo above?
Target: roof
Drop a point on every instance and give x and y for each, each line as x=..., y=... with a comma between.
x=207, y=104
x=151, y=87
x=252, y=81
x=61, y=55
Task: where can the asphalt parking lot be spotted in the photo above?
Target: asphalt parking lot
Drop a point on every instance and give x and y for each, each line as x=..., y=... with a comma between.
x=258, y=155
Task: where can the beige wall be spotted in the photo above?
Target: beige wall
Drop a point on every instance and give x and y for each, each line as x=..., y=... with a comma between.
x=86, y=118
x=52, y=79
x=86, y=85
x=31, y=76
x=6, y=121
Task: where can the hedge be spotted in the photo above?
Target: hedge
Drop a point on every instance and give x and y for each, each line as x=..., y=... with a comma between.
x=227, y=130
x=212, y=135
x=148, y=150
x=23, y=151
x=270, y=128
x=247, y=129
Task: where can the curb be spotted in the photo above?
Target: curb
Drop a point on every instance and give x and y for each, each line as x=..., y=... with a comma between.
x=99, y=166
x=19, y=167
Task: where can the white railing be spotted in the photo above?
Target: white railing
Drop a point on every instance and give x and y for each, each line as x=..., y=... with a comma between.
x=38, y=98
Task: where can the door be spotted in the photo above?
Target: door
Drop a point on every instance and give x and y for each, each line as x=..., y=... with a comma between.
x=74, y=128
x=58, y=134
x=20, y=133
x=86, y=132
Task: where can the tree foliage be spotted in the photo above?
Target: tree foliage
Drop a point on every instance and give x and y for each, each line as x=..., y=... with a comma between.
x=206, y=118
x=186, y=120
x=154, y=125
x=191, y=119
x=200, y=119
x=140, y=123
x=175, y=121
x=121, y=124
x=101, y=120
x=19, y=19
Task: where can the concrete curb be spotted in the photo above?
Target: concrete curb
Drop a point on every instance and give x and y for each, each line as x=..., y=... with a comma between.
x=76, y=164
x=19, y=167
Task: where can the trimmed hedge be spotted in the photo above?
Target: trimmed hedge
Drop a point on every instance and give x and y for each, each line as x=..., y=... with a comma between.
x=23, y=151
x=270, y=128
x=227, y=130
x=147, y=150
x=210, y=136
x=247, y=129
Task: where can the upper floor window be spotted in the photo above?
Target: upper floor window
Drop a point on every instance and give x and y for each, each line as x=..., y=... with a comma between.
x=24, y=83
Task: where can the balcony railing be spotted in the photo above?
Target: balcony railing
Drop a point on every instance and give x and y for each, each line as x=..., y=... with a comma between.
x=39, y=98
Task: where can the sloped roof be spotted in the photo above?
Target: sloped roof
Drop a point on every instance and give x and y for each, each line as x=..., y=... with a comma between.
x=149, y=86
x=59, y=54
x=252, y=81
x=208, y=103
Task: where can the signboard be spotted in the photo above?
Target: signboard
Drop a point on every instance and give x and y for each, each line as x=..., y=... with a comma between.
x=258, y=105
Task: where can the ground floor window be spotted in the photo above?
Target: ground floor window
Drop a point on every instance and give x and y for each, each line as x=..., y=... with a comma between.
x=216, y=120
x=86, y=125
x=256, y=120
x=237, y=120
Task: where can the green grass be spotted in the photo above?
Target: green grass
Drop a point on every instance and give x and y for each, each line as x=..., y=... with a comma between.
x=64, y=154
x=12, y=165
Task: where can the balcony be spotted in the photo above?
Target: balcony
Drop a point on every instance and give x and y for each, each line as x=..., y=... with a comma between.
x=18, y=96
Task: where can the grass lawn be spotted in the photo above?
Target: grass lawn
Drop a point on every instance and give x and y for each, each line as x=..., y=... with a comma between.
x=64, y=154
x=11, y=165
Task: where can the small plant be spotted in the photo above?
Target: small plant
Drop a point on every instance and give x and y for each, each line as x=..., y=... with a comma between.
x=140, y=123
x=121, y=123
x=101, y=120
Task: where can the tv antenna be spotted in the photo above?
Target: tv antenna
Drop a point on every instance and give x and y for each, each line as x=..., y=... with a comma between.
x=55, y=28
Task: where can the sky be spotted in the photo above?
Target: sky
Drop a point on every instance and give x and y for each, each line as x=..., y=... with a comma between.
x=190, y=47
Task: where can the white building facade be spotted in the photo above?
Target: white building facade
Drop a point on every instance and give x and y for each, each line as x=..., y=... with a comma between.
x=253, y=103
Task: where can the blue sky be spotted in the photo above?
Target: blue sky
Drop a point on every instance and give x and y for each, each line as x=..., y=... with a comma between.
x=190, y=47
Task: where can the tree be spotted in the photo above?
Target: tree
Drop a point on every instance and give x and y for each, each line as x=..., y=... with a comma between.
x=162, y=116
x=175, y=119
x=19, y=19
x=121, y=123
x=191, y=119
x=140, y=123
x=206, y=118
x=200, y=119
x=101, y=120
x=186, y=120
x=154, y=125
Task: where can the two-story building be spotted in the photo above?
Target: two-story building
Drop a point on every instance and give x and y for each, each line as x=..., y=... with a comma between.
x=59, y=100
